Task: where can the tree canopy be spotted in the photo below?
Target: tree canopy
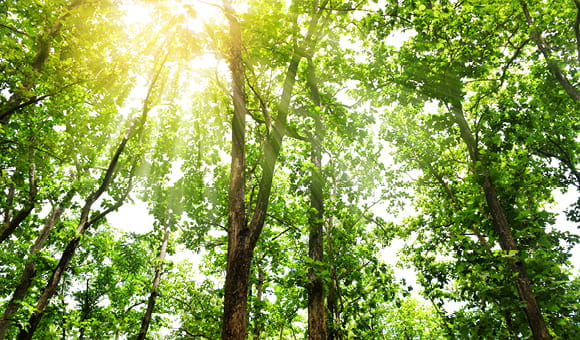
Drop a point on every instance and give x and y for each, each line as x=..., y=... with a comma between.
x=284, y=151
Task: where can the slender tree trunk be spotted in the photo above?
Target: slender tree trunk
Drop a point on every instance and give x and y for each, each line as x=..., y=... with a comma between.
x=155, y=286
x=239, y=252
x=49, y=290
x=502, y=226
x=30, y=268
x=316, y=293
x=259, y=321
x=84, y=222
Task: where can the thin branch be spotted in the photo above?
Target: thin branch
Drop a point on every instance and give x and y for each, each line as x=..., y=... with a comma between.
x=577, y=28
x=280, y=234
x=5, y=114
x=511, y=60
x=15, y=30
x=564, y=159
x=193, y=336
x=542, y=45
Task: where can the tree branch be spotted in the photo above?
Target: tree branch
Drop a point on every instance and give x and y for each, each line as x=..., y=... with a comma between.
x=15, y=30
x=545, y=50
x=577, y=28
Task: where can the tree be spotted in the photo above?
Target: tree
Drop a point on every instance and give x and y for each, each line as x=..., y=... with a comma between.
x=86, y=220
x=436, y=67
x=244, y=233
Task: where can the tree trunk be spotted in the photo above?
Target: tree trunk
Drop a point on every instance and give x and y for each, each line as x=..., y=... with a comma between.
x=259, y=321
x=84, y=222
x=155, y=286
x=316, y=293
x=49, y=290
x=30, y=268
x=503, y=229
x=239, y=256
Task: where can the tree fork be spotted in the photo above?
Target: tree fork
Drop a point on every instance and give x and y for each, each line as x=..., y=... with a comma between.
x=243, y=235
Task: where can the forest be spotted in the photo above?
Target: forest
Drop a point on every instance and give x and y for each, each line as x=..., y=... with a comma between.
x=306, y=169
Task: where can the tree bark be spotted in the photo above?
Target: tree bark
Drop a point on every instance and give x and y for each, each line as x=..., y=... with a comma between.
x=30, y=268
x=316, y=292
x=259, y=320
x=239, y=256
x=503, y=229
x=155, y=286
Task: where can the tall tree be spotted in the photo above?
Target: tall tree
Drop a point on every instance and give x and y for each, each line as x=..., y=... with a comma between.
x=29, y=271
x=134, y=131
x=243, y=231
x=316, y=289
x=441, y=70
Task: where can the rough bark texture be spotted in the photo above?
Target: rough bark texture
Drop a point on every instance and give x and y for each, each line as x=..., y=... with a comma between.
x=259, y=320
x=239, y=253
x=503, y=229
x=155, y=286
x=316, y=293
x=30, y=268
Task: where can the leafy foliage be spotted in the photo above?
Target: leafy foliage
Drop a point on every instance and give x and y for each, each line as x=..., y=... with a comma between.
x=79, y=78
